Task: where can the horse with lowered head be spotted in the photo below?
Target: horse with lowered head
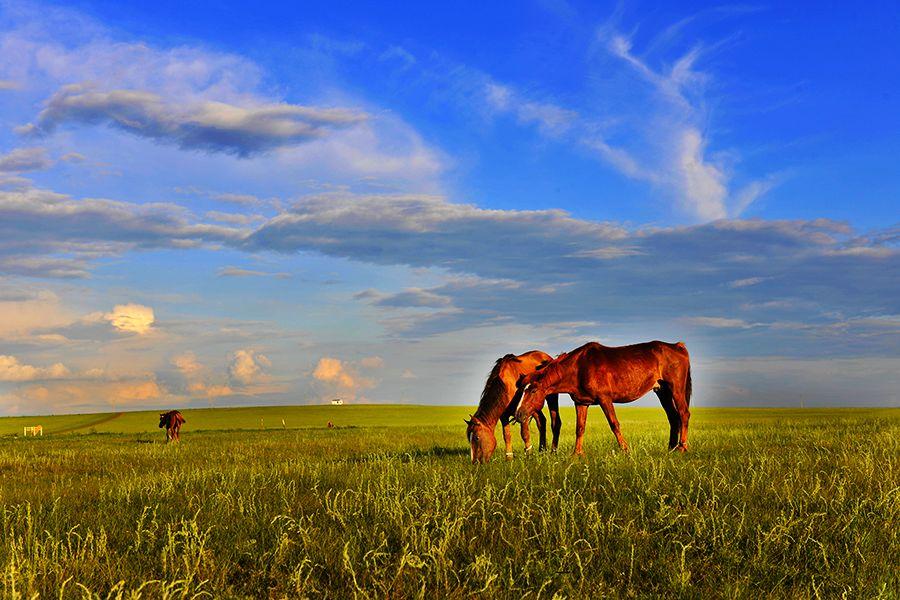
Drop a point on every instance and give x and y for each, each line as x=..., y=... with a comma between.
x=604, y=375
x=172, y=421
x=498, y=404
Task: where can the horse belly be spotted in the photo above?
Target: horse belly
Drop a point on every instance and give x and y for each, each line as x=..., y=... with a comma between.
x=624, y=387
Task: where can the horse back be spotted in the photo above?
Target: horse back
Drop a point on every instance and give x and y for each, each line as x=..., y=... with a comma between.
x=621, y=372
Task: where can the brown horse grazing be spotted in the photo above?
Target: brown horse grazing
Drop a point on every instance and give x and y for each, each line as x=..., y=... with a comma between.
x=597, y=374
x=497, y=404
x=172, y=421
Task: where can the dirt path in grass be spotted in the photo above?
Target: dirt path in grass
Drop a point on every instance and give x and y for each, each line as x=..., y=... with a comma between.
x=103, y=419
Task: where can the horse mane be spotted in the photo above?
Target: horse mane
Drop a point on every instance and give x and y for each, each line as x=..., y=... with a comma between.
x=494, y=388
x=549, y=372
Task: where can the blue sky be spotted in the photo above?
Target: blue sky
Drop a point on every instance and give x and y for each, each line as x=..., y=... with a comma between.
x=233, y=203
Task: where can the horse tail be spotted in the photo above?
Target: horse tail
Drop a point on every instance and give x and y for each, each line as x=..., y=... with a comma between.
x=688, y=387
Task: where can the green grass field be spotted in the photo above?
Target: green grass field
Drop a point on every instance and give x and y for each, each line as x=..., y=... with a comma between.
x=780, y=503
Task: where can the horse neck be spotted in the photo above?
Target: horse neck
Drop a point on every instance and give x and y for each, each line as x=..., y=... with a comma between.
x=491, y=408
x=554, y=379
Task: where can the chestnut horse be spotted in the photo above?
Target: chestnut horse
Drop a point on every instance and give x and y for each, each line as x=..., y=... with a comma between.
x=497, y=405
x=172, y=421
x=597, y=374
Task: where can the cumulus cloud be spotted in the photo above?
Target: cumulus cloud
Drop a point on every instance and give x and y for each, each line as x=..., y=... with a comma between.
x=131, y=318
x=196, y=378
x=372, y=362
x=342, y=377
x=247, y=367
x=187, y=364
x=25, y=159
x=12, y=370
x=207, y=126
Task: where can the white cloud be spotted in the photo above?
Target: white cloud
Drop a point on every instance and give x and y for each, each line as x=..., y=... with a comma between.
x=241, y=272
x=73, y=157
x=718, y=322
x=208, y=101
x=11, y=369
x=25, y=159
x=702, y=184
x=332, y=370
x=24, y=311
x=131, y=318
x=247, y=367
x=372, y=362
x=656, y=132
x=211, y=126
x=551, y=120
x=747, y=281
x=187, y=364
x=198, y=383
x=341, y=377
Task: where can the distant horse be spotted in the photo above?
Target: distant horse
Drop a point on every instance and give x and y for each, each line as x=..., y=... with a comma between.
x=497, y=404
x=172, y=421
x=597, y=374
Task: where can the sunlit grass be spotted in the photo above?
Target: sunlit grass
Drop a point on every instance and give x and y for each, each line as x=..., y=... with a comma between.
x=773, y=503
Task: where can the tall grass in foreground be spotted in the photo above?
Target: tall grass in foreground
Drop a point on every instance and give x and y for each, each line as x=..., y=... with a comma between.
x=795, y=506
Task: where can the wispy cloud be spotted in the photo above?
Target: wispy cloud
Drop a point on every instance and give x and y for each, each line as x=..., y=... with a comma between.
x=242, y=272
x=658, y=133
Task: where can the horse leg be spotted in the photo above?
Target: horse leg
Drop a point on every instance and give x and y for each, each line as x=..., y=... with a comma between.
x=507, y=437
x=664, y=393
x=526, y=435
x=542, y=430
x=580, y=423
x=555, y=420
x=610, y=413
x=684, y=414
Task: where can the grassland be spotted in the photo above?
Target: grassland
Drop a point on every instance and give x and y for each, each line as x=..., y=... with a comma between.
x=768, y=503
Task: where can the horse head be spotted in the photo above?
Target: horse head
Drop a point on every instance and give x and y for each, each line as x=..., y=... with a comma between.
x=482, y=441
x=531, y=396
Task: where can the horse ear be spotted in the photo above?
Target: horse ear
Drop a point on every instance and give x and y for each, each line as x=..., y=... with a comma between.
x=467, y=421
